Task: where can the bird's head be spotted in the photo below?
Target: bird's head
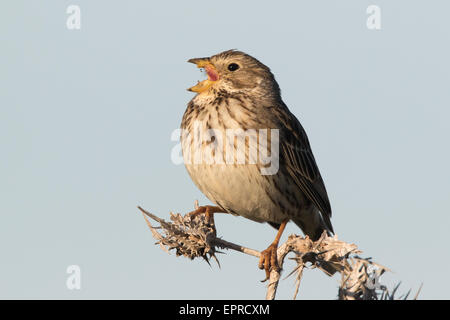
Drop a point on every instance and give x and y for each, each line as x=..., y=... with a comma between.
x=235, y=71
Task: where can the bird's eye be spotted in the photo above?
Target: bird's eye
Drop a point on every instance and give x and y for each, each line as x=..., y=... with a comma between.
x=233, y=66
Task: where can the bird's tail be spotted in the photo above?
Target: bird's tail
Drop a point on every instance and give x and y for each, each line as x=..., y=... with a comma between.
x=313, y=224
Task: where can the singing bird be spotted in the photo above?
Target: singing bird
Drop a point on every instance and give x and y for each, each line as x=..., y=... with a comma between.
x=241, y=93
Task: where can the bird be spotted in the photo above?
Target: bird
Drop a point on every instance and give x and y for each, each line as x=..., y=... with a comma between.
x=241, y=95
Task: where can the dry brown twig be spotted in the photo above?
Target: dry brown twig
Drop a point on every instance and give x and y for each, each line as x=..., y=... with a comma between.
x=193, y=238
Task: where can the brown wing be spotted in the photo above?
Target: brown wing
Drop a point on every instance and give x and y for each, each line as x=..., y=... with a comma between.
x=295, y=152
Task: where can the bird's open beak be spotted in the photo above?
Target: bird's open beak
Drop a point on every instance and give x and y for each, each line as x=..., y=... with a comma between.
x=211, y=71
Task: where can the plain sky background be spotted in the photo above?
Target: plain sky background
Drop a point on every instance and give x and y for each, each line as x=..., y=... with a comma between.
x=86, y=117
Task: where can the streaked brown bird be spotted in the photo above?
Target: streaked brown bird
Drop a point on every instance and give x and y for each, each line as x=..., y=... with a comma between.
x=241, y=94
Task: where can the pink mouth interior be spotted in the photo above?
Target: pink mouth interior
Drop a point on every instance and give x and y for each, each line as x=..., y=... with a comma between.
x=212, y=74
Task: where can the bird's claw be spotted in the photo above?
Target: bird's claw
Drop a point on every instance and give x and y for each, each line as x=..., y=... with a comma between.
x=203, y=210
x=268, y=260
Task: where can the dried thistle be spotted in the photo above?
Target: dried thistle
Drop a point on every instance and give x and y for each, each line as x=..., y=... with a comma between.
x=193, y=238
x=188, y=236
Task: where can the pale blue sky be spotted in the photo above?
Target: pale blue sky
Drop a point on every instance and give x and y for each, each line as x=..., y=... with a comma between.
x=86, y=118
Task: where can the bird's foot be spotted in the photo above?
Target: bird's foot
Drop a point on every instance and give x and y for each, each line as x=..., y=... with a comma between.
x=208, y=211
x=268, y=260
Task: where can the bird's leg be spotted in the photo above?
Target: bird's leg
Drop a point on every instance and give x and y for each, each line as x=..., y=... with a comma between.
x=208, y=211
x=268, y=259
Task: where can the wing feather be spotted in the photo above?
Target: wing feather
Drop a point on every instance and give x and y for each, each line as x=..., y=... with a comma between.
x=300, y=164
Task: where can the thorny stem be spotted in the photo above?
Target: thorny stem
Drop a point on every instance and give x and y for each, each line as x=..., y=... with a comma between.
x=221, y=243
x=327, y=254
